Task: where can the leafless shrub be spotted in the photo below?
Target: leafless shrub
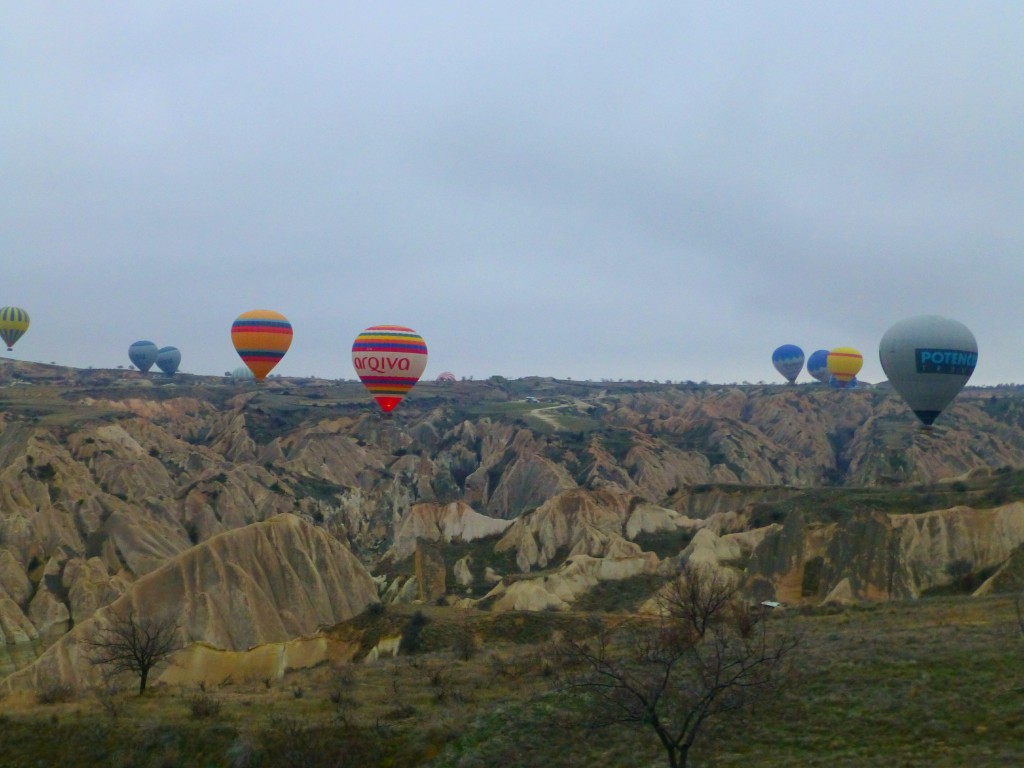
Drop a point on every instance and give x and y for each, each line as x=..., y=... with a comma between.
x=110, y=697
x=55, y=691
x=203, y=706
x=466, y=643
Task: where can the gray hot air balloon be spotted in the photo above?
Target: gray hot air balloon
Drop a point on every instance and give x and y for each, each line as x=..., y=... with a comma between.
x=143, y=354
x=928, y=359
x=168, y=359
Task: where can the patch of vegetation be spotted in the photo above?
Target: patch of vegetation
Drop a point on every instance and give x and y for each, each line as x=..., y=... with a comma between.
x=664, y=543
x=620, y=595
x=316, y=488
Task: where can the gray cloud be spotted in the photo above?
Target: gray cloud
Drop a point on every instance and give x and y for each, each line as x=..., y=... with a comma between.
x=585, y=189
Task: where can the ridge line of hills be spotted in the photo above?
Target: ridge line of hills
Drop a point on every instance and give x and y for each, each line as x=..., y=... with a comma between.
x=471, y=490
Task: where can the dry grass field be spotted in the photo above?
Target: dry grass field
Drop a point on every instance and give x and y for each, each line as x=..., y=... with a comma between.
x=935, y=682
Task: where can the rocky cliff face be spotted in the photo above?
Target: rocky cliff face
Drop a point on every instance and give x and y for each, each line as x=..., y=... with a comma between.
x=107, y=476
x=261, y=584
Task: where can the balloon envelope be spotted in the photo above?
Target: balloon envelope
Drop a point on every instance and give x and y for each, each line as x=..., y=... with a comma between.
x=241, y=373
x=844, y=363
x=389, y=360
x=143, y=354
x=928, y=360
x=13, y=324
x=789, y=361
x=168, y=359
x=261, y=337
x=839, y=384
x=817, y=365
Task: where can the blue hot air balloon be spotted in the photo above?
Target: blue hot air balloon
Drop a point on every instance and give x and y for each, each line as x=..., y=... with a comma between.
x=143, y=354
x=168, y=359
x=835, y=383
x=817, y=365
x=789, y=361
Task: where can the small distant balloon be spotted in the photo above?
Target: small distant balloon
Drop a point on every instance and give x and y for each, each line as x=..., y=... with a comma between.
x=241, y=373
x=446, y=377
x=168, y=359
x=844, y=363
x=928, y=360
x=389, y=360
x=13, y=324
x=261, y=337
x=789, y=361
x=817, y=365
x=143, y=354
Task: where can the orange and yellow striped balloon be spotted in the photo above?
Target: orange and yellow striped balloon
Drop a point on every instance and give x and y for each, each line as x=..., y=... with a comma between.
x=844, y=363
x=261, y=338
x=389, y=360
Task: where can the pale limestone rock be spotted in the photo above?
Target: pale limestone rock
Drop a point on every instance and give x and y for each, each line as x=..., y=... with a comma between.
x=648, y=518
x=14, y=581
x=706, y=548
x=15, y=627
x=45, y=611
x=528, y=595
x=265, y=583
x=89, y=587
x=443, y=524
x=841, y=594
x=578, y=521
x=528, y=482
x=463, y=571
x=200, y=663
x=558, y=590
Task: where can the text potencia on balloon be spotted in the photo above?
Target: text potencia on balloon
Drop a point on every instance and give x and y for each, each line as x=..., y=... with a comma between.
x=953, y=361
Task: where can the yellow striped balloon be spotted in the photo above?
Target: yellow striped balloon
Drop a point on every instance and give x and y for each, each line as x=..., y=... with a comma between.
x=389, y=360
x=261, y=338
x=13, y=324
x=844, y=363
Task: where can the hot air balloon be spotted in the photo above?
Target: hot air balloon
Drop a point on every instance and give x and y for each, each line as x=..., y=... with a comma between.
x=13, y=324
x=928, y=360
x=789, y=361
x=168, y=359
x=261, y=338
x=241, y=373
x=837, y=384
x=844, y=363
x=817, y=365
x=389, y=359
x=143, y=354
x=446, y=377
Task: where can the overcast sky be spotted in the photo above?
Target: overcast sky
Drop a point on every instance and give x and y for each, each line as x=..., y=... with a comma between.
x=659, y=190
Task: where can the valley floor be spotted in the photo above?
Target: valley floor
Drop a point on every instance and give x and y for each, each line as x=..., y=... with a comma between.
x=934, y=682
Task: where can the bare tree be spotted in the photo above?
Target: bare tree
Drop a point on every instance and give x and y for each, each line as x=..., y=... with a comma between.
x=698, y=661
x=700, y=597
x=132, y=644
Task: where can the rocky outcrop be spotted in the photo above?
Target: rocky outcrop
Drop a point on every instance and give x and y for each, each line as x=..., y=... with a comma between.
x=106, y=476
x=266, y=583
x=442, y=523
x=578, y=522
x=558, y=590
x=874, y=556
